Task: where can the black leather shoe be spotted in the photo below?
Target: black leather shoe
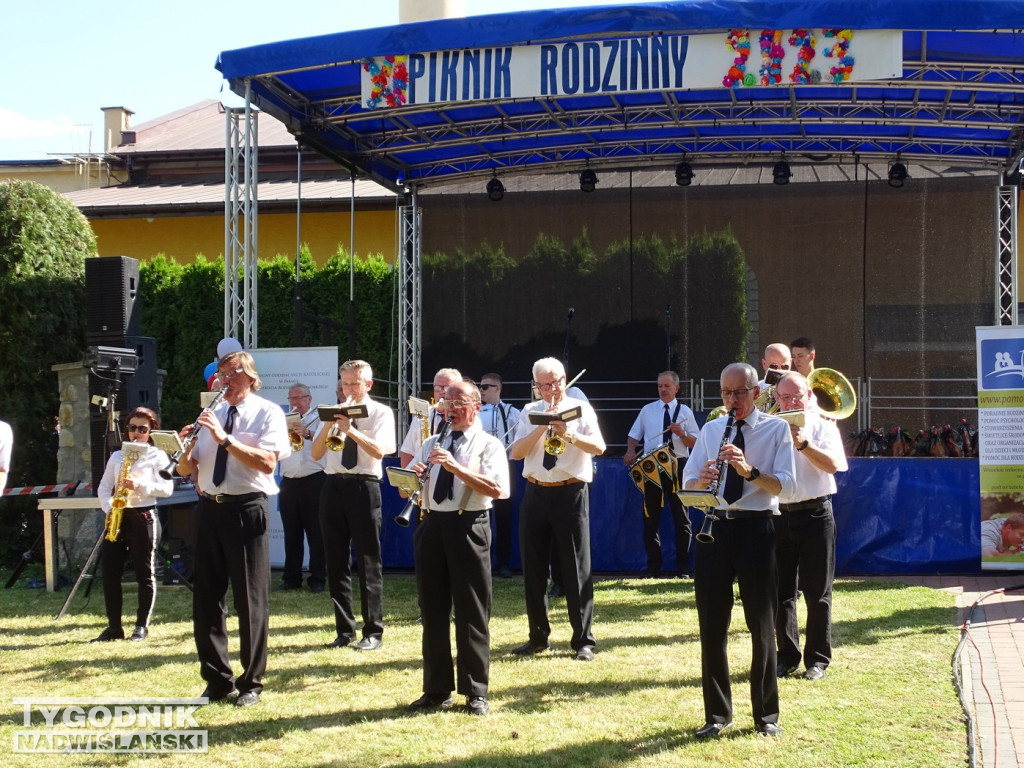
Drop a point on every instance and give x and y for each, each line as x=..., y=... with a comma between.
x=247, y=699
x=431, y=701
x=140, y=633
x=316, y=589
x=369, y=644
x=556, y=591
x=711, y=730
x=217, y=694
x=815, y=672
x=769, y=729
x=109, y=634
x=477, y=705
x=341, y=641
x=586, y=653
x=782, y=669
x=529, y=647
x=283, y=587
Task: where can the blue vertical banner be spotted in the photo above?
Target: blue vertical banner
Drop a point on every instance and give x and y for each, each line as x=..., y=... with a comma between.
x=1000, y=357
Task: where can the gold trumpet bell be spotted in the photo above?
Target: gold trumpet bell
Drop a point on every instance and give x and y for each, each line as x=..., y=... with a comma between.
x=554, y=446
x=335, y=442
x=834, y=393
x=296, y=440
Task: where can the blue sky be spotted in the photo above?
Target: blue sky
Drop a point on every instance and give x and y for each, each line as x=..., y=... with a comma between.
x=60, y=63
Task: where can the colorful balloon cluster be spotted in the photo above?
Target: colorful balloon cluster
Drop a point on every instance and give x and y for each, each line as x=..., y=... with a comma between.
x=842, y=70
x=390, y=78
x=804, y=42
x=739, y=41
x=772, y=54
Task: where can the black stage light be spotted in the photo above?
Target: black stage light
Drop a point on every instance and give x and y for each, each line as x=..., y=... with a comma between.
x=495, y=190
x=588, y=180
x=897, y=174
x=781, y=172
x=684, y=174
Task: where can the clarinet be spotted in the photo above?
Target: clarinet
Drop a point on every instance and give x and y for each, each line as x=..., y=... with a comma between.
x=418, y=498
x=705, y=536
x=168, y=472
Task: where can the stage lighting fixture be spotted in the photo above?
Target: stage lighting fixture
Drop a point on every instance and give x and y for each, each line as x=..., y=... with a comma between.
x=897, y=174
x=588, y=180
x=781, y=172
x=684, y=174
x=495, y=190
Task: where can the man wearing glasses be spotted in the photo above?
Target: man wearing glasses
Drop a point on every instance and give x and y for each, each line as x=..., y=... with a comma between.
x=499, y=420
x=555, y=511
x=805, y=534
x=302, y=479
x=234, y=458
x=754, y=465
x=443, y=379
x=452, y=545
x=776, y=361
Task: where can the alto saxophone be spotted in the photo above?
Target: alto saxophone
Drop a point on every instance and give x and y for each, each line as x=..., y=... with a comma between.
x=130, y=453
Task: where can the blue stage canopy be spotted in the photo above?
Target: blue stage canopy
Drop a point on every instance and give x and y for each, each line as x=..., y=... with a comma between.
x=958, y=100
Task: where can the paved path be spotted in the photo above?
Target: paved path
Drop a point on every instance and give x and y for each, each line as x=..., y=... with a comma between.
x=992, y=661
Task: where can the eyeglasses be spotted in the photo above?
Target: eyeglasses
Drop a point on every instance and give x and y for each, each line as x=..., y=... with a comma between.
x=140, y=428
x=549, y=384
x=789, y=398
x=485, y=387
x=737, y=392
x=459, y=403
x=230, y=374
x=300, y=397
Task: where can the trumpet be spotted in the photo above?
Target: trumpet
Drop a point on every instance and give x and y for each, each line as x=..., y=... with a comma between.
x=168, y=472
x=705, y=535
x=335, y=440
x=404, y=518
x=553, y=444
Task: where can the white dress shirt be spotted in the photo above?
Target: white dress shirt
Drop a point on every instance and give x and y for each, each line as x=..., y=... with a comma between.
x=768, y=446
x=379, y=426
x=301, y=463
x=145, y=472
x=650, y=423
x=811, y=482
x=477, y=451
x=574, y=464
x=259, y=423
x=499, y=421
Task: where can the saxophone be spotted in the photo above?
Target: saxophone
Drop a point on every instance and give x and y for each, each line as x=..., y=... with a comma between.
x=130, y=453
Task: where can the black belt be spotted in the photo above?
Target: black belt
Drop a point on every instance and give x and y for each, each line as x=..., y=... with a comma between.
x=805, y=505
x=234, y=498
x=742, y=514
x=354, y=476
x=457, y=511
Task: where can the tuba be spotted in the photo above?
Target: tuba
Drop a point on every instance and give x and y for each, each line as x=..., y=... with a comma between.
x=130, y=453
x=833, y=392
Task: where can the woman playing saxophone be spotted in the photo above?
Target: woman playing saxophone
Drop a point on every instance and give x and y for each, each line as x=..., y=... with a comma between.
x=129, y=489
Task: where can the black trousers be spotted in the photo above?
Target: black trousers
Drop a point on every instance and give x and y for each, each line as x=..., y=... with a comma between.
x=743, y=550
x=350, y=515
x=453, y=569
x=299, y=503
x=557, y=517
x=232, y=547
x=654, y=501
x=502, y=512
x=140, y=532
x=805, y=554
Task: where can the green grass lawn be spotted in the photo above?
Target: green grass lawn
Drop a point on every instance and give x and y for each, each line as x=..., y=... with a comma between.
x=887, y=701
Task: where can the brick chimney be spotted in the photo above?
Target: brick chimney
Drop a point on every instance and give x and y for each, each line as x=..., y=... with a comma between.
x=116, y=123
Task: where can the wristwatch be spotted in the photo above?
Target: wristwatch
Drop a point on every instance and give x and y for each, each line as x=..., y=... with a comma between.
x=227, y=442
x=754, y=474
x=571, y=438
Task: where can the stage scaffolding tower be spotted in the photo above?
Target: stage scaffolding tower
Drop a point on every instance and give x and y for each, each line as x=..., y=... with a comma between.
x=241, y=203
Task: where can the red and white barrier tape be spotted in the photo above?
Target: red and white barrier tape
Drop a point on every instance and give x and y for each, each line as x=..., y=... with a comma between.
x=35, y=490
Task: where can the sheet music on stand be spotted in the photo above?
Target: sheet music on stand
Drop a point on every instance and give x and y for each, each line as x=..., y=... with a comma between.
x=403, y=479
x=419, y=407
x=702, y=499
x=167, y=441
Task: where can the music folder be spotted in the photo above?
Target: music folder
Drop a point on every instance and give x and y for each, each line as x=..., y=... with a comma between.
x=703, y=499
x=327, y=412
x=167, y=441
x=793, y=418
x=403, y=479
x=546, y=417
x=419, y=407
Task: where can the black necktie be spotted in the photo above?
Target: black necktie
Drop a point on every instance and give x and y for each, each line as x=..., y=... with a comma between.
x=550, y=459
x=734, y=481
x=220, y=463
x=445, y=482
x=666, y=421
x=348, y=453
